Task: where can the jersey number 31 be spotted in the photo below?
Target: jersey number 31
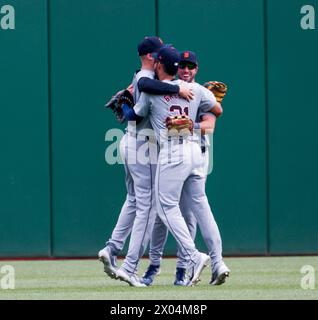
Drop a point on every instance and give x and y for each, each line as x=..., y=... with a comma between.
x=175, y=108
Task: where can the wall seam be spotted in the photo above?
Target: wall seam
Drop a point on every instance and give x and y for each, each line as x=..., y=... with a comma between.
x=50, y=125
x=267, y=138
x=157, y=17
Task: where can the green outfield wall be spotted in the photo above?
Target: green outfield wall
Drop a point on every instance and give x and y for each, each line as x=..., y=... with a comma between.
x=61, y=60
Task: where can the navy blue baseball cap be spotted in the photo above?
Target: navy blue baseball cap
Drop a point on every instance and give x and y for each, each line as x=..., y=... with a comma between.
x=149, y=45
x=170, y=58
x=188, y=56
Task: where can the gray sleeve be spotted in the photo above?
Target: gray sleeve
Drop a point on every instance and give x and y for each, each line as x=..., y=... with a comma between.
x=142, y=107
x=208, y=100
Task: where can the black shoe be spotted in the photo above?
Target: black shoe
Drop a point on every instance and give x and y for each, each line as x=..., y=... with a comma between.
x=181, y=279
x=150, y=274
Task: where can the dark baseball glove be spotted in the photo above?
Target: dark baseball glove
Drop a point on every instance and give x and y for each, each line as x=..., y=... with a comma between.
x=179, y=125
x=219, y=89
x=117, y=101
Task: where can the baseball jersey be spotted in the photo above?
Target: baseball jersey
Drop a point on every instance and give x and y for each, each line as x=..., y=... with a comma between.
x=145, y=122
x=205, y=138
x=163, y=106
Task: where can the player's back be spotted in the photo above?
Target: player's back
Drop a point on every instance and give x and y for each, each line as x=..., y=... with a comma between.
x=138, y=75
x=164, y=106
x=134, y=127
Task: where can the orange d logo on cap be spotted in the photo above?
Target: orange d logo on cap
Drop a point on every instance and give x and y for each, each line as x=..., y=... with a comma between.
x=186, y=55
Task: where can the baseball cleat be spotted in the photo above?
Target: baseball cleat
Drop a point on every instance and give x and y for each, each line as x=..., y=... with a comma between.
x=195, y=272
x=150, y=274
x=181, y=279
x=109, y=261
x=132, y=280
x=220, y=274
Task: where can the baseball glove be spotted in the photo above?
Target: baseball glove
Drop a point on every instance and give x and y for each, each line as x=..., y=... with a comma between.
x=178, y=125
x=117, y=101
x=219, y=89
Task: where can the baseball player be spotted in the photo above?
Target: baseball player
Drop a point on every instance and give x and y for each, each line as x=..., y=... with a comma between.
x=187, y=71
x=180, y=163
x=137, y=213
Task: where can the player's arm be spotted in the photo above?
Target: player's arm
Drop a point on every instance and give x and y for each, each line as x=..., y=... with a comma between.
x=207, y=123
x=130, y=88
x=207, y=101
x=157, y=87
x=135, y=112
x=207, y=104
x=130, y=114
x=217, y=110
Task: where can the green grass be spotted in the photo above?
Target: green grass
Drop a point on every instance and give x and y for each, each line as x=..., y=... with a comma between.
x=251, y=278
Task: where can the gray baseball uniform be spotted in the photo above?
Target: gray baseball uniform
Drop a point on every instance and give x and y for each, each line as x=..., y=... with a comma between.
x=211, y=233
x=128, y=147
x=180, y=163
x=138, y=209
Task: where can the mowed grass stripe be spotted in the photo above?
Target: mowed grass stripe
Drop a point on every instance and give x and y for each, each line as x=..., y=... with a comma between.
x=251, y=278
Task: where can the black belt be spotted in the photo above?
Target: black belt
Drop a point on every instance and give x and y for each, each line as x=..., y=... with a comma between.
x=203, y=149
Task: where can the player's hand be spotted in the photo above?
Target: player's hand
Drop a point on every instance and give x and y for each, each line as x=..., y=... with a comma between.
x=185, y=92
